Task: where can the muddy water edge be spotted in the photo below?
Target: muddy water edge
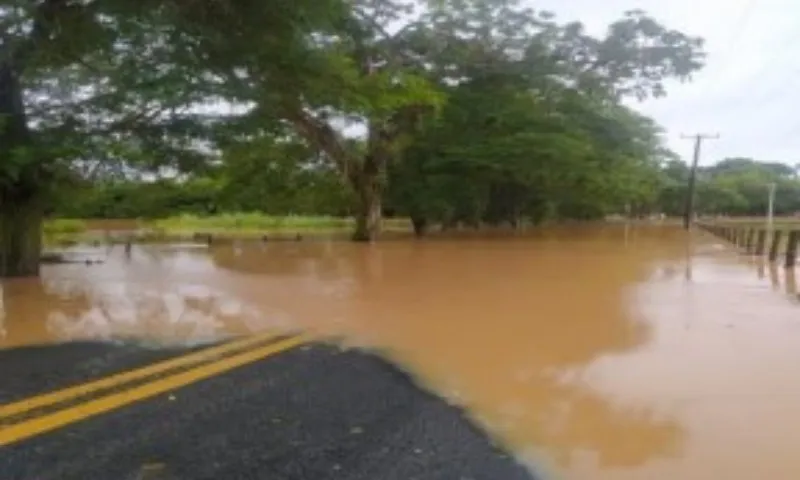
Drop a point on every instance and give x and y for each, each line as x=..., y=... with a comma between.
x=595, y=353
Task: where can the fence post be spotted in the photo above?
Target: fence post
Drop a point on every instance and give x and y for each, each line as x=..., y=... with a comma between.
x=761, y=242
x=776, y=242
x=748, y=245
x=791, y=248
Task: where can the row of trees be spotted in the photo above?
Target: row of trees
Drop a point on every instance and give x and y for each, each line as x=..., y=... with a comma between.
x=451, y=109
x=287, y=186
x=734, y=186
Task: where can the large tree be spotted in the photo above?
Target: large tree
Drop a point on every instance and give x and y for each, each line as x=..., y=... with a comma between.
x=26, y=32
x=79, y=81
x=533, y=125
x=88, y=85
x=357, y=76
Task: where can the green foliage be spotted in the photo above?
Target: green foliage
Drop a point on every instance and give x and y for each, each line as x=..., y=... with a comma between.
x=514, y=142
x=279, y=178
x=471, y=110
x=735, y=186
x=134, y=199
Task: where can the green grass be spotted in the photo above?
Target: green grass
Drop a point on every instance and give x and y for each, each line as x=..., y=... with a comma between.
x=63, y=231
x=64, y=226
x=257, y=223
x=248, y=222
x=231, y=225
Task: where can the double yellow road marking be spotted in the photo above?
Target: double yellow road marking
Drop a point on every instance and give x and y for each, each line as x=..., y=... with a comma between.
x=192, y=368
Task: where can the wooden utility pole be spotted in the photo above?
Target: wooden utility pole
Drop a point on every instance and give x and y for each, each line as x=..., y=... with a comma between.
x=698, y=141
x=771, y=207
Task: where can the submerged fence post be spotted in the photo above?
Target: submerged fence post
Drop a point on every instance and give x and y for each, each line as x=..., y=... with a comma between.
x=776, y=242
x=791, y=248
x=761, y=242
x=748, y=245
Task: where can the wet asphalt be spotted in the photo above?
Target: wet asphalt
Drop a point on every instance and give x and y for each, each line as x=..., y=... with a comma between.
x=314, y=412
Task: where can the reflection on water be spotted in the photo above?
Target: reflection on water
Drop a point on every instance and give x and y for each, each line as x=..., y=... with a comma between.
x=791, y=283
x=155, y=295
x=603, y=353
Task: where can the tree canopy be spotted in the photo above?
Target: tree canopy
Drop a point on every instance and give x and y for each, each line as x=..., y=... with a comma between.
x=443, y=110
x=733, y=186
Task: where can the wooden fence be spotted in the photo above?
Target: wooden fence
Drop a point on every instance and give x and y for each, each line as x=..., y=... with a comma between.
x=760, y=242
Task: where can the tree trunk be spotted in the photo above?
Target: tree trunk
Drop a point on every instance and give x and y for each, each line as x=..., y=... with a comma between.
x=369, y=213
x=20, y=238
x=20, y=209
x=420, y=225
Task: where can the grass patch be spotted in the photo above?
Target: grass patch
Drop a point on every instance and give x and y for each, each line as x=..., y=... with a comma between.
x=250, y=223
x=63, y=226
x=63, y=231
x=253, y=222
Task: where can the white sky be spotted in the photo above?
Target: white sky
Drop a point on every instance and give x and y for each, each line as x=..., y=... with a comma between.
x=748, y=91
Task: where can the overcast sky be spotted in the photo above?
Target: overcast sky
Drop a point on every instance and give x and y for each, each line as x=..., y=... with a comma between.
x=748, y=92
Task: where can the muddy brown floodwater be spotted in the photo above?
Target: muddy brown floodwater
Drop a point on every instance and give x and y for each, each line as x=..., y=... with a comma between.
x=595, y=353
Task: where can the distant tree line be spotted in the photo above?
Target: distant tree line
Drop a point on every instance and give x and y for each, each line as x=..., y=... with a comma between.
x=734, y=186
x=283, y=185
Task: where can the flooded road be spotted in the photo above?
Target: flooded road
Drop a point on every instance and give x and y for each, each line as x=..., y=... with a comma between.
x=606, y=353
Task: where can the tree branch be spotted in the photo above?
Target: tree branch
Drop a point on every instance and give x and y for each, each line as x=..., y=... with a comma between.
x=321, y=135
x=44, y=17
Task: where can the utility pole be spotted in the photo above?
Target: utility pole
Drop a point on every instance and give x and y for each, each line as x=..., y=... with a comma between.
x=771, y=207
x=698, y=141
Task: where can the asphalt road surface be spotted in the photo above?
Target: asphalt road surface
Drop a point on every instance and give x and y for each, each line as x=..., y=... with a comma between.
x=309, y=412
